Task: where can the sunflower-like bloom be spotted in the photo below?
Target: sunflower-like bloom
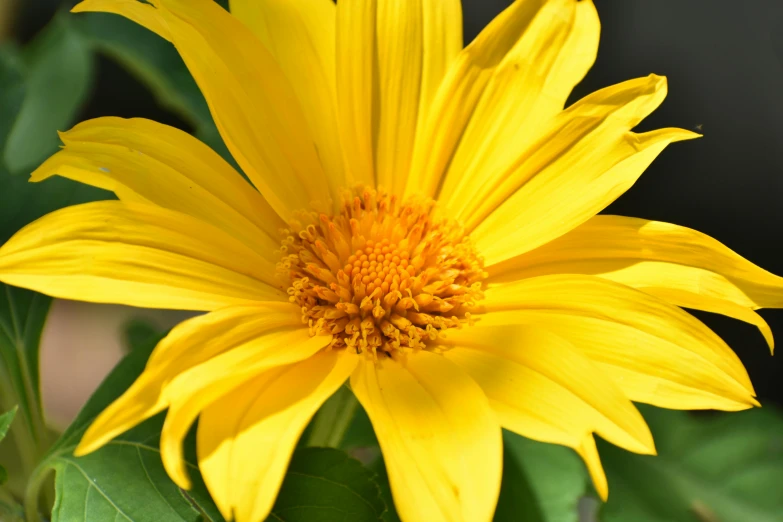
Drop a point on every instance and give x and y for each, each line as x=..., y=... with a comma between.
x=421, y=223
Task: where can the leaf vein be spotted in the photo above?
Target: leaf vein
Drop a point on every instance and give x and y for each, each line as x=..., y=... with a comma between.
x=147, y=474
x=338, y=484
x=92, y=484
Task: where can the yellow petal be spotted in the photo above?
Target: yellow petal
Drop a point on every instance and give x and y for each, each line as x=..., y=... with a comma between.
x=196, y=388
x=442, y=42
x=400, y=48
x=542, y=387
x=655, y=352
x=715, y=305
x=592, y=459
x=355, y=86
x=138, y=255
x=440, y=439
x=246, y=438
x=251, y=100
x=141, y=13
x=678, y=264
x=528, y=89
x=391, y=56
x=583, y=162
x=300, y=34
x=190, y=343
x=147, y=162
x=522, y=66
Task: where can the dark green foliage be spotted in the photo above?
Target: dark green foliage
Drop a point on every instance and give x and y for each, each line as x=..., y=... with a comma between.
x=722, y=468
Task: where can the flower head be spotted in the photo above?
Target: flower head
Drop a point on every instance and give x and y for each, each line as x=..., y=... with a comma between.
x=440, y=248
x=383, y=278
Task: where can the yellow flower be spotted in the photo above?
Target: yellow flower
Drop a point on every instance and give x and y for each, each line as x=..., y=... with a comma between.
x=476, y=289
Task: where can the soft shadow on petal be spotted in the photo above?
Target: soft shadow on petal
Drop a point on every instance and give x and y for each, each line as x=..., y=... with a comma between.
x=246, y=438
x=137, y=255
x=654, y=351
x=300, y=34
x=190, y=392
x=391, y=56
x=252, y=102
x=147, y=162
x=583, y=161
x=519, y=70
x=189, y=344
x=678, y=264
x=439, y=436
x=528, y=89
x=542, y=387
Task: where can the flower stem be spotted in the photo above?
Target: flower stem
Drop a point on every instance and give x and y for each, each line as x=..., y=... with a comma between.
x=32, y=494
x=331, y=422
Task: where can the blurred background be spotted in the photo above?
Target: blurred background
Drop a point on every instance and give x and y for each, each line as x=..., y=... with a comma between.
x=724, y=62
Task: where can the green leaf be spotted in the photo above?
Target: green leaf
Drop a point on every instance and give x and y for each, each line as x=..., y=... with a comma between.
x=12, y=88
x=361, y=443
x=382, y=478
x=328, y=427
x=57, y=78
x=5, y=423
x=541, y=482
x=325, y=485
x=125, y=479
x=22, y=318
x=360, y=436
x=20, y=201
x=137, y=332
x=722, y=468
x=10, y=510
x=150, y=58
x=156, y=63
x=23, y=313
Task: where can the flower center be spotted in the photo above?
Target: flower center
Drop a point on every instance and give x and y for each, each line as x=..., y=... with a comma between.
x=383, y=278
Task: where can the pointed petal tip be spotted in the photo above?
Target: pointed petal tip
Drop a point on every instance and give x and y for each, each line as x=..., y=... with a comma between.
x=174, y=464
x=90, y=441
x=588, y=452
x=677, y=134
x=602, y=489
x=84, y=448
x=684, y=134
x=648, y=85
x=643, y=441
x=666, y=134
x=767, y=333
x=94, y=438
x=651, y=449
x=646, y=443
x=658, y=81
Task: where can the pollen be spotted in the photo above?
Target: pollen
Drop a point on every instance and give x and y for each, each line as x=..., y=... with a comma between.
x=382, y=278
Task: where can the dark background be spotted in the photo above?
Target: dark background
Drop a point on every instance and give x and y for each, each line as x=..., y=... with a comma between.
x=724, y=62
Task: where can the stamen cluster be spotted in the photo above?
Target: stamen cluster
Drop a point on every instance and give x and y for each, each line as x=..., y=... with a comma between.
x=383, y=278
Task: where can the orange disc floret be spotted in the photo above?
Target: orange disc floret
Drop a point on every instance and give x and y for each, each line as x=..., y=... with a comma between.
x=381, y=277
